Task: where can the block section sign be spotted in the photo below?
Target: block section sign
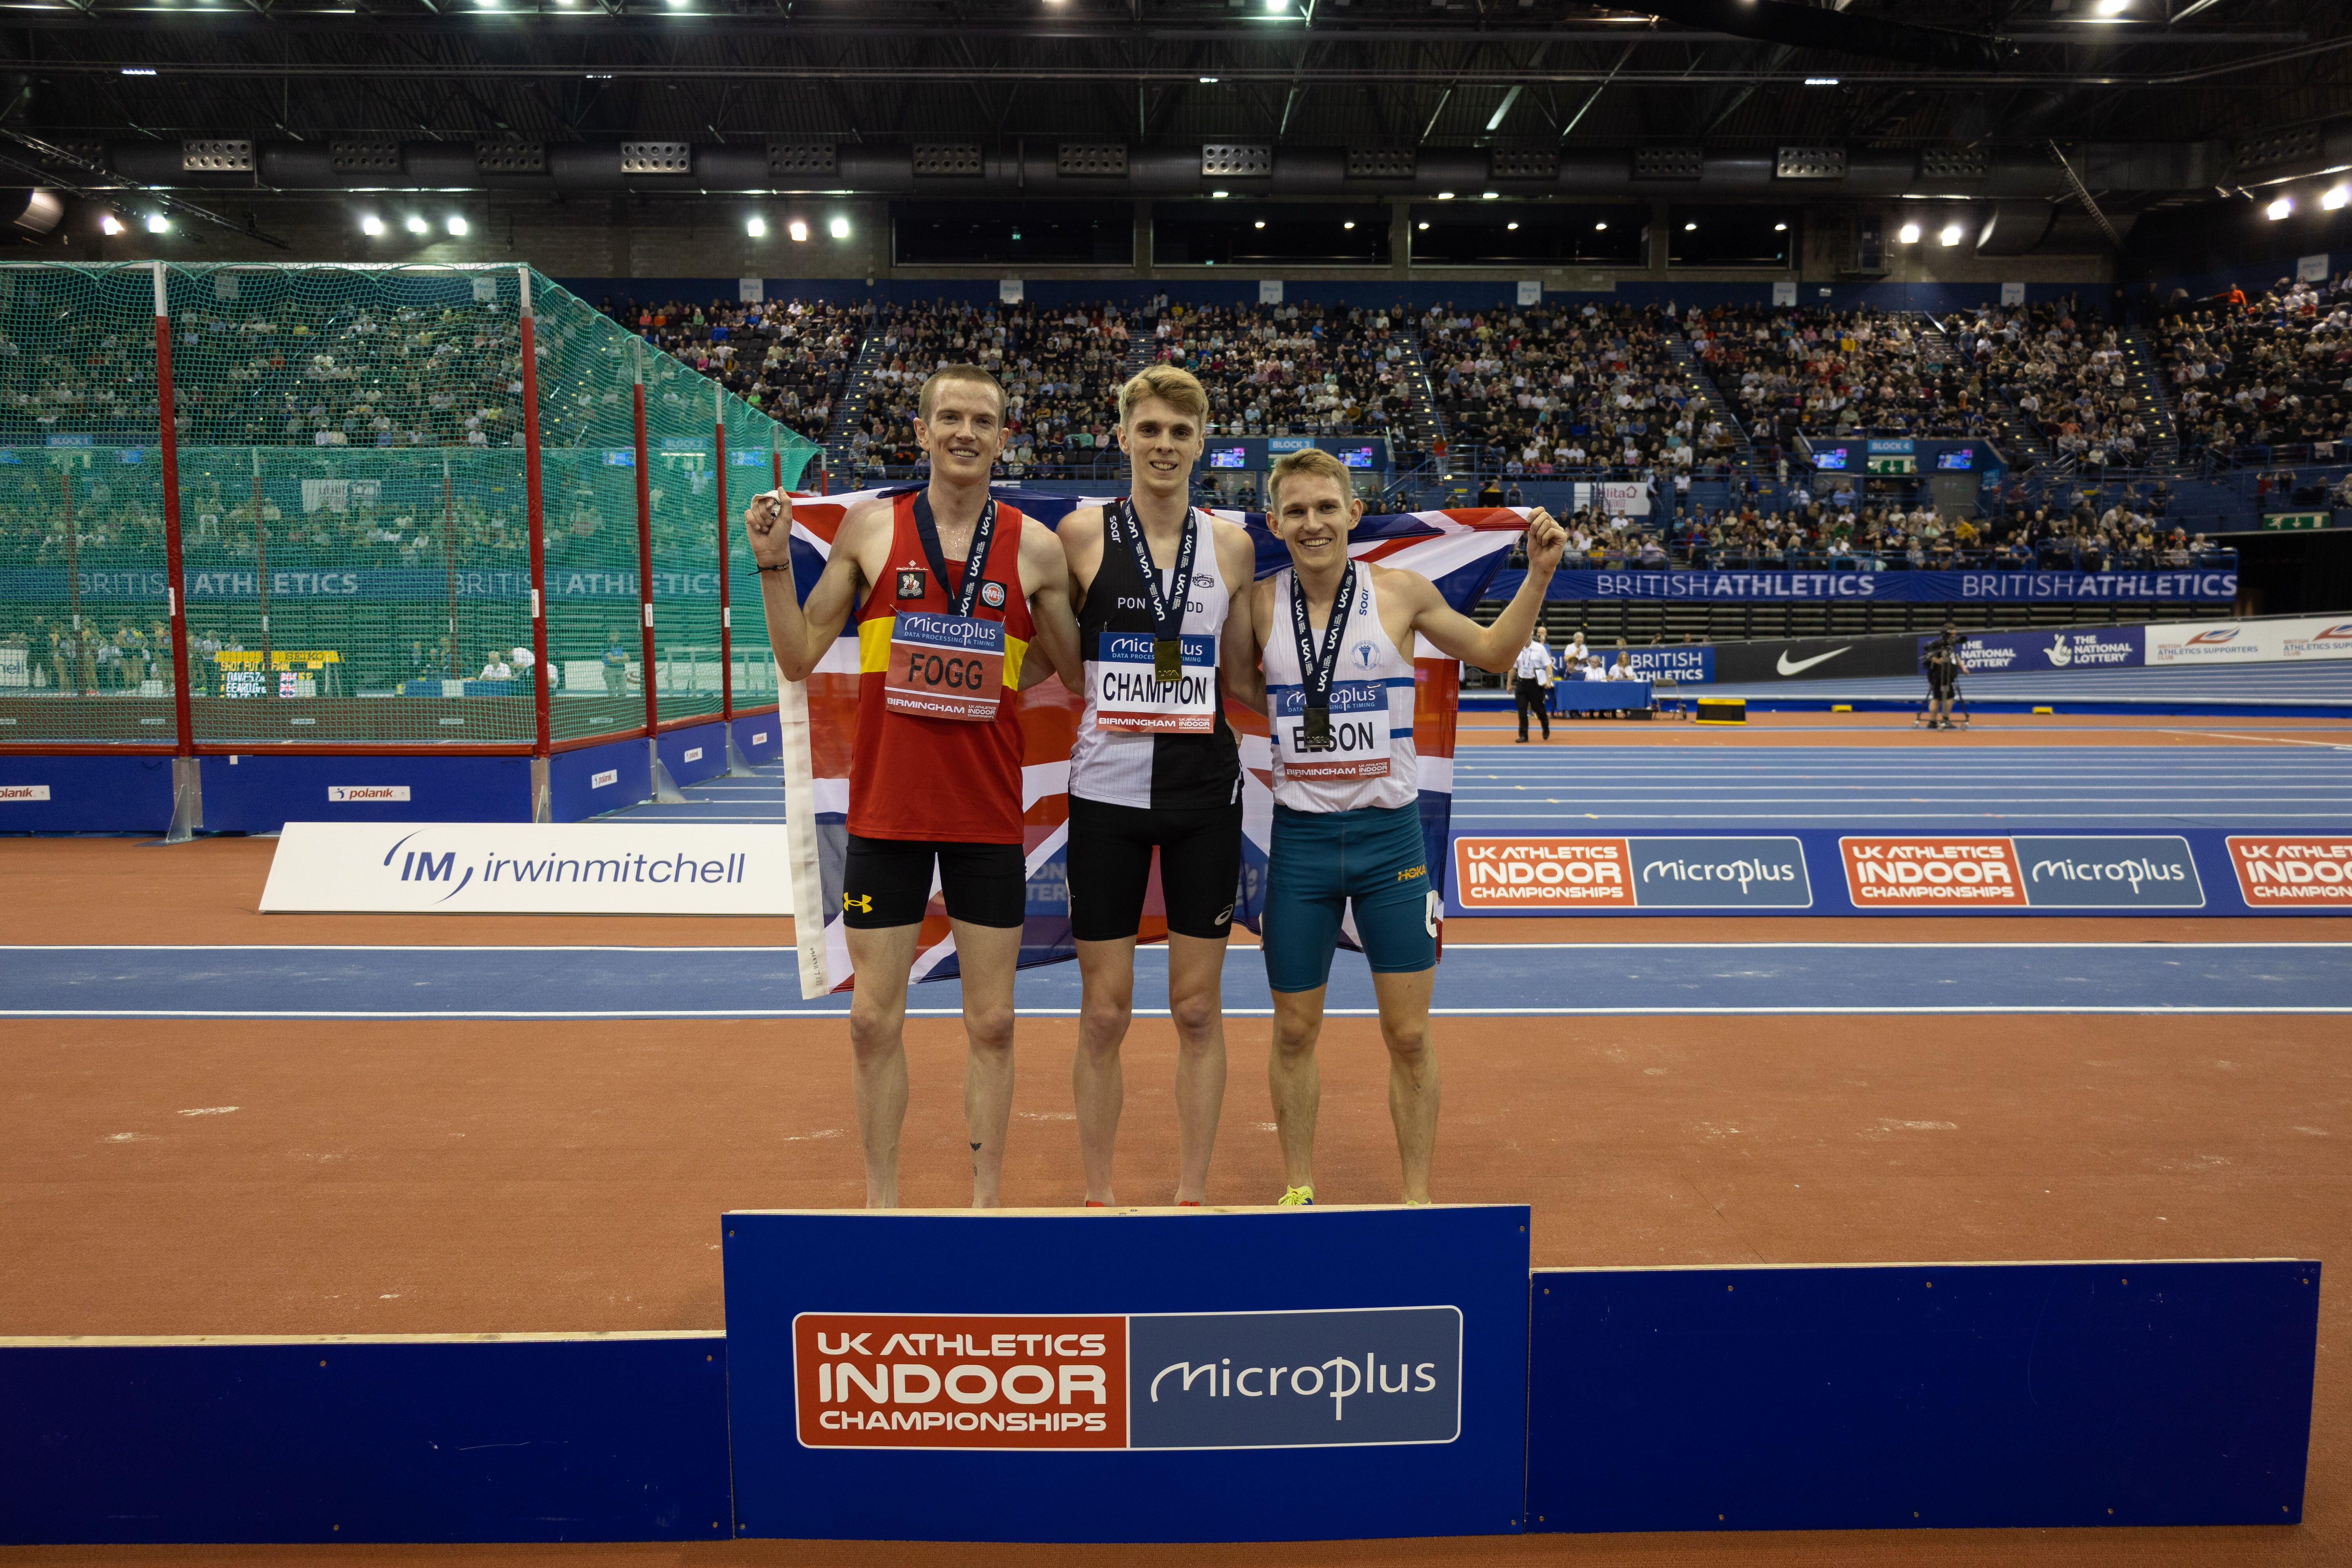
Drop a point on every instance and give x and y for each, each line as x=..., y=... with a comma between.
x=2293, y=871
x=1932, y=873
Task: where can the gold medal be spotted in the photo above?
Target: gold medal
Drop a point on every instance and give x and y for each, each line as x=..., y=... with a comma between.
x=1167, y=660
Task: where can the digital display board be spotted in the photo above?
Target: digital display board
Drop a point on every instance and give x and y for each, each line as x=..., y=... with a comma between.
x=1229, y=457
x=1829, y=458
x=1357, y=456
x=1963, y=457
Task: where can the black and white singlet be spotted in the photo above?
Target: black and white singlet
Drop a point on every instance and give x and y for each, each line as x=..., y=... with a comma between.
x=1142, y=743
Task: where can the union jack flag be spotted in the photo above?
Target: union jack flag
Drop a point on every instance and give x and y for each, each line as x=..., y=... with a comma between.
x=1459, y=551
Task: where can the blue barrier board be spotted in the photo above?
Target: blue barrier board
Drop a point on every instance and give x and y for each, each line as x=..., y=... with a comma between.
x=1287, y=1374
x=260, y=792
x=71, y=793
x=1876, y=871
x=1921, y=1395
x=586, y=1438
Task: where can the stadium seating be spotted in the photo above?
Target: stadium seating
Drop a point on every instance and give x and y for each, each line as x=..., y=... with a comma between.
x=2263, y=381
x=787, y=359
x=1862, y=372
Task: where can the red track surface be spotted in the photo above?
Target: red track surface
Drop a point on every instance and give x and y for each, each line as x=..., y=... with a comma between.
x=446, y=1177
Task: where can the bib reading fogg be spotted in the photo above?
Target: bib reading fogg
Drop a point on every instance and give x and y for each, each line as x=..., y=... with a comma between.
x=1130, y=695
x=945, y=667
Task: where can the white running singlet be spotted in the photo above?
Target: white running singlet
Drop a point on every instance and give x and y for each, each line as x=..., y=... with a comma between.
x=1371, y=762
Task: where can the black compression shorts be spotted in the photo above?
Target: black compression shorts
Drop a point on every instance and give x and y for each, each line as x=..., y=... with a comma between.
x=1111, y=869
x=886, y=882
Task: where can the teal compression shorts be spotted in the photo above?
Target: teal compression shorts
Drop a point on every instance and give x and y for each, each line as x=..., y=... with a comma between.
x=1321, y=862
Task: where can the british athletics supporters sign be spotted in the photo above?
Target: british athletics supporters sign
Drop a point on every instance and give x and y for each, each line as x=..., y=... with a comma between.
x=1130, y=1376
x=1825, y=871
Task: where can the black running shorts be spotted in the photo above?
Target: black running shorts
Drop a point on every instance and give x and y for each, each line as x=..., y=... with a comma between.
x=886, y=882
x=1111, y=869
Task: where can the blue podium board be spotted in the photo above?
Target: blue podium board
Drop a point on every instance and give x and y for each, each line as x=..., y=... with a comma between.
x=1126, y=1375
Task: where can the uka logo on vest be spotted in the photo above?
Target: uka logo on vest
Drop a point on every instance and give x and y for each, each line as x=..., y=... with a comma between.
x=1193, y=1379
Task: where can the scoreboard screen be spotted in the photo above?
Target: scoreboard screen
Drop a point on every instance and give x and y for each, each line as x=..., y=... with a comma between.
x=1960, y=457
x=1830, y=457
x=1229, y=457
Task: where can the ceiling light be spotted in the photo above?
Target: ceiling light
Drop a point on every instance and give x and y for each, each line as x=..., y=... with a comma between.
x=1423, y=224
x=1951, y=235
x=1908, y=233
x=838, y=228
x=1219, y=195
x=1690, y=227
x=371, y=225
x=457, y=226
x=1821, y=82
x=108, y=224
x=1259, y=224
x=416, y=225
x=1208, y=81
x=1780, y=229
x=157, y=223
x=1598, y=227
x=2279, y=208
x=1488, y=195
x=1350, y=224
x=138, y=70
x=1277, y=5
x=798, y=230
x=757, y=228
x=1513, y=224
x=1445, y=195
x=2114, y=7
x=2335, y=197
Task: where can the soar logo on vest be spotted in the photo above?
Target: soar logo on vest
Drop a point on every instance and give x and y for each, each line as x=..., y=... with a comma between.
x=1183, y=1380
x=1562, y=874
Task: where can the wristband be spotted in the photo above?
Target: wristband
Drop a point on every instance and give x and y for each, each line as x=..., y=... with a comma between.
x=779, y=566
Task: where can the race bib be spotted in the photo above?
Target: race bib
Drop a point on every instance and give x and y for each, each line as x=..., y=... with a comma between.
x=1129, y=695
x=1359, y=734
x=945, y=667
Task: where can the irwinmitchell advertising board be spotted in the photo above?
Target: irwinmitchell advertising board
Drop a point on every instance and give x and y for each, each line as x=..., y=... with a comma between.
x=1138, y=1376
x=1825, y=871
x=544, y=868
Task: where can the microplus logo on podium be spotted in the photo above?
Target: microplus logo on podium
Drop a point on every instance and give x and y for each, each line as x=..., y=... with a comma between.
x=1174, y=1380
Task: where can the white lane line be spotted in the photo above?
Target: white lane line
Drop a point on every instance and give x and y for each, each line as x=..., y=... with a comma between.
x=1661, y=1010
x=1154, y=950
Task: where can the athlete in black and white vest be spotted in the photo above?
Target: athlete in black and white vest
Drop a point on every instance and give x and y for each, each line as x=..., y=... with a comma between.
x=1155, y=766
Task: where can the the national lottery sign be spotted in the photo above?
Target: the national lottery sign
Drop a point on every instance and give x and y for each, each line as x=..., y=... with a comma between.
x=1169, y=1380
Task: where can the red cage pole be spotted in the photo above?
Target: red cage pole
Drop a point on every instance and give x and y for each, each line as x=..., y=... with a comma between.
x=449, y=563
x=726, y=614
x=737, y=765
x=83, y=684
x=663, y=788
x=187, y=798
x=261, y=580
x=543, y=675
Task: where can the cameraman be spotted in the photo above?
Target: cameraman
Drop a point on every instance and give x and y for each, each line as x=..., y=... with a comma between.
x=1941, y=659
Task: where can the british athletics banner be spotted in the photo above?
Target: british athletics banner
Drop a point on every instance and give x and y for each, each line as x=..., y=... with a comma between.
x=1894, y=587
x=1458, y=551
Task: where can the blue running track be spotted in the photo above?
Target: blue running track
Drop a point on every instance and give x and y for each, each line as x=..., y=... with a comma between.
x=2255, y=687
x=1475, y=980
x=1568, y=784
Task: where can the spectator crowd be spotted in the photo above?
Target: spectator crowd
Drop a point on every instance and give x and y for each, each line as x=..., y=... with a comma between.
x=2263, y=380
x=1846, y=373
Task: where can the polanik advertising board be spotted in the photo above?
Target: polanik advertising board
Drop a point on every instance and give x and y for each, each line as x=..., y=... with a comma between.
x=1135, y=1376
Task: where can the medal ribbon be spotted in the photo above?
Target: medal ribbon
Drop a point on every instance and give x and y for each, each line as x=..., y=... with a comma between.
x=1167, y=624
x=976, y=561
x=1314, y=670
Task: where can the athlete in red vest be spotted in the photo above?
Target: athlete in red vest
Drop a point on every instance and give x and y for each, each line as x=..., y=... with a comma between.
x=952, y=593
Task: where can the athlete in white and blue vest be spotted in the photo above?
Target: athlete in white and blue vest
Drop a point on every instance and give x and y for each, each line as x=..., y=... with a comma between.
x=1335, y=638
x=1154, y=767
